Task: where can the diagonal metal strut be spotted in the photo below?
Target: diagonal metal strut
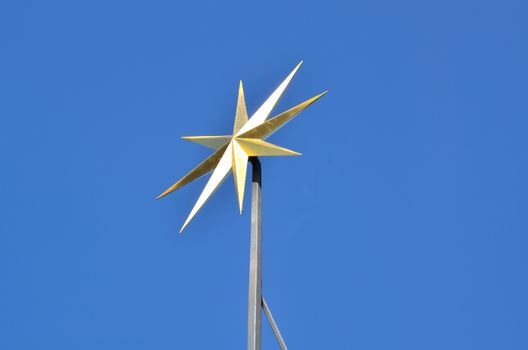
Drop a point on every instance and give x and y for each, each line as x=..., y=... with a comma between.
x=278, y=335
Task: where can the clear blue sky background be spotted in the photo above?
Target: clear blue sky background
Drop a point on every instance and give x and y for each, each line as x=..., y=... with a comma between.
x=403, y=226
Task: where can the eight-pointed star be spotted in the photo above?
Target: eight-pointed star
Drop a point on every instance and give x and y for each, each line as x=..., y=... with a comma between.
x=247, y=140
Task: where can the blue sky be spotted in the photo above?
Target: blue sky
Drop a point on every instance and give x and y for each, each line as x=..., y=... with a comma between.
x=403, y=226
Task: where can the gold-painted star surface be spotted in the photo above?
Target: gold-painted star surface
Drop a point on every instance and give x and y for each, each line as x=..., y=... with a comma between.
x=232, y=151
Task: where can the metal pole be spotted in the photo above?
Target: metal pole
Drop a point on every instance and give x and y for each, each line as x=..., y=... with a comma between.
x=255, y=259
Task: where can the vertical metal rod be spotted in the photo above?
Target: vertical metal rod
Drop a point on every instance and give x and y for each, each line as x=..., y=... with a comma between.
x=278, y=335
x=255, y=259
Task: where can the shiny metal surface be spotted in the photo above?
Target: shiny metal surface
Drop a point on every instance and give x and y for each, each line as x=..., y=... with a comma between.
x=214, y=142
x=232, y=151
x=240, y=157
x=241, y=116
x=255, y=147
x=200, y=170
x=267, y=128
x=267, y=107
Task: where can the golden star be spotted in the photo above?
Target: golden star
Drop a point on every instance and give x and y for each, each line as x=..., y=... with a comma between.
x=232, y=151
